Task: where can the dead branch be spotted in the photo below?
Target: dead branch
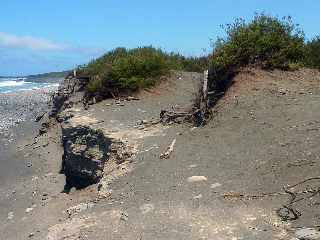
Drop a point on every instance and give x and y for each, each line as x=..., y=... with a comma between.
x=304, y=181
x=200, y=114
x=290, y=210
x=169, y=150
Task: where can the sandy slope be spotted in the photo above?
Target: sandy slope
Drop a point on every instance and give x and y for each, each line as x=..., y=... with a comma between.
x=223, y=181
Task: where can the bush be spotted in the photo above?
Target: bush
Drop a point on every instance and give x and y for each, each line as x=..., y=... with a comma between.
x=312, y=55
x=266, y=41
x=140, y=68
x=132, y=69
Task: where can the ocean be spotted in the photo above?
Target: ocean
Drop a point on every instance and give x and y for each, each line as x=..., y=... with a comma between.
x=8, y=85
x=23, y=100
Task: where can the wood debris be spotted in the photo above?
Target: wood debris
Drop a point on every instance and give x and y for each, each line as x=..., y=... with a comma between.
x=169, y=150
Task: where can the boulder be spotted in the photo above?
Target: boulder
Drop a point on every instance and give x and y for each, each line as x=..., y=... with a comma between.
x=86, y=150
x=70, y=91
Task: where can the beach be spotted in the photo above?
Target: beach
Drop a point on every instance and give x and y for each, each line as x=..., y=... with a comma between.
x=24, y=159
x=229, y=174
x=18, y=107
x=18, y=126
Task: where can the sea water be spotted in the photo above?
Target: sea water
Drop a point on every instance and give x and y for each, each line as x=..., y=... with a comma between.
x=22, y=100
x=8, y=85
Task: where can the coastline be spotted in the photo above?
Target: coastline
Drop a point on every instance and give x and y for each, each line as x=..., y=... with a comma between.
x=246, y=155
x=28, y=167
x=22, y=106
x=17, y=127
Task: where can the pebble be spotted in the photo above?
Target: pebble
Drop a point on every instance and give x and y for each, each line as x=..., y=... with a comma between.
x=193, y=166
x=198, y=196
x=79, y=208
x=308, y=234
x=28, y=210
x=145, y=208
x=17, y=107
x=10, y=215
x=124, y=216
x=27, y=155
x=215, y=185
x=197, y=179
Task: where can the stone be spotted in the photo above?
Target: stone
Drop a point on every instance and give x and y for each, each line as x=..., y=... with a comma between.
x=130, y=98
x=10, y=215
x=85, y=153
x=282, y=91
x=43, y=130
x=197, y=179
x=28, y=210
x=71, y=87
x=307, y=234
x=124, y=216
x=198, y=196
x=146, y=208
x=79, y=208
x=31, y=235
x=215, y=185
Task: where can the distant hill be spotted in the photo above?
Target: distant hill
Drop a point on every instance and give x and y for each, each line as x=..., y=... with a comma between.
x=48, y=77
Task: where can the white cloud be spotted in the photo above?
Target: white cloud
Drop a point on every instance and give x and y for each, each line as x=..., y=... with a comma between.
x=27, y=42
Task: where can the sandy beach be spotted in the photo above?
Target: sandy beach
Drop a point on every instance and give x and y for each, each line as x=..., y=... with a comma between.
x=234, y=168
x=17, y=127
x=22, y=106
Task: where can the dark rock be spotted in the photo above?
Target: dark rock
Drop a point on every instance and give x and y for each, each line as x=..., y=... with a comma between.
x=85, y=152
x=31, y=235
x=43, y=130
x=70, y=92
x=39, y=117
x=124, y=216
x=64, y=116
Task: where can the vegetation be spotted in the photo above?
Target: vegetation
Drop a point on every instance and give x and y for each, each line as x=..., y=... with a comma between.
x=266, y=41
x=132, y=69
x=47, y=77
x=312, y=53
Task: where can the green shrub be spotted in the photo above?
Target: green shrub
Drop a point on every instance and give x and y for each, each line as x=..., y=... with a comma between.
x=132, y=69
x=140, y=68
x=312, y=58
x=266, y=41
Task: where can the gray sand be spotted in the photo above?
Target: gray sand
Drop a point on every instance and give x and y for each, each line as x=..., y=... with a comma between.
x=217, y=183
x=18, y=111
x=22, y=106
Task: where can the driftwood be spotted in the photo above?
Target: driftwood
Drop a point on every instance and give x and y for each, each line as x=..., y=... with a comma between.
x=288, y=212
x=169, y=150
x=174, y=117
x=200, y=114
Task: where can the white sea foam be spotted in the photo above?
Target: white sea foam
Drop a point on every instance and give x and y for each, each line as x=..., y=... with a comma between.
x=12, y=83
x=8, y=85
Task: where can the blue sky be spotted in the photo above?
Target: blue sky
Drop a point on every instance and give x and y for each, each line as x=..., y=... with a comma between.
x=41, y=36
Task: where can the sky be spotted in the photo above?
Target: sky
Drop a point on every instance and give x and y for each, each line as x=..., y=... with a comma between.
x=43, y=36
